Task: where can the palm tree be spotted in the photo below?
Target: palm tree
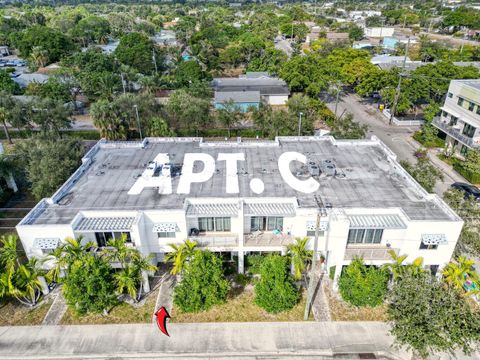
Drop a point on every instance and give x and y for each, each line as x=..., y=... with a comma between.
x=39, y=56
x=455, y=274
x=300, y=256
x=180, y=255
x=7, y=105
x=8, y=252
x=128, y=279
x=398, y=268
x=121, y=252
x=27, y=286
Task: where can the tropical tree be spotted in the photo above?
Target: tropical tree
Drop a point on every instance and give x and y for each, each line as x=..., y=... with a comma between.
x=26, y=283
x=399, y=269
x=456, y=273
x=428, y=317
x=39, y=56
x=203, y=284
x=229, y=115
x=299, y=255
x=181, y=254
x=276, y=291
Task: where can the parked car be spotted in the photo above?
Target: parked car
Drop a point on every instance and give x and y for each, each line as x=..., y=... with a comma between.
x=468, y=190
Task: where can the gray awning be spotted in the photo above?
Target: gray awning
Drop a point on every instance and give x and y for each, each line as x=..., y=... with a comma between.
x=434, y=239
x=105, y=224
x=389, y=221
x=269, y=209
x=165, y=227
x=212, y=210
x=46, y=243
x=311, y=225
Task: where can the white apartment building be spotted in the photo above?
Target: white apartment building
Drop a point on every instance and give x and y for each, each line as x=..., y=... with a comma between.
x=246, y=197
x=460, y=117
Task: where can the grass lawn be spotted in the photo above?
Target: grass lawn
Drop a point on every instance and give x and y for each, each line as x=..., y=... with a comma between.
x=452, y=160
x=435, y=143
x=14, y=313
x=342, y=311
x=239, y=307
x=120, y=314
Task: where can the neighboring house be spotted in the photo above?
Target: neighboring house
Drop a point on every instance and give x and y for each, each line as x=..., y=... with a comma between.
x=244, y=100
x=25, y=79
x=4, y=51
x=388, y=59
x=379, y=31
x=165, y=38
x=392, y=42
x=242, y=198
x=250, y=89
x=460, y=117
x=337, y=37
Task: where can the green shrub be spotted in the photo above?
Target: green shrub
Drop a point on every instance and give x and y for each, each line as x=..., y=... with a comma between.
x=242, y=279
x=254, y=263
x=203, y=284
x=89, y=286
x=363, y=286
x=331, y=272
x=276, y=291
x=471, y=176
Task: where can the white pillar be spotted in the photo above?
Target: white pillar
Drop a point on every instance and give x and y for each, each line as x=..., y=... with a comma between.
x=44, y=285
x=338, y=273
x=146, y=284
x=241, y=264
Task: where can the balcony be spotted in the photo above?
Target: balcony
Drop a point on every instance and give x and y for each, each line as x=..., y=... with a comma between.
x=453, y=132
x=215, y=240
x=267, y=238
x=368, y=252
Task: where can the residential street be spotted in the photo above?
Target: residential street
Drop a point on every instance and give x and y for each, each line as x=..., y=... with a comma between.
x=397, y=138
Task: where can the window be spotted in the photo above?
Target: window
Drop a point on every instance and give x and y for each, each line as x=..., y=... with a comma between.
x=469, y=130
x=214, y=224
x=471, y=106
x=266, y=223
x=47, y=251
x=444, y=113
x=365, y=236
x=453, y=120
x=428, y=247
x=478, y=110
x=463, y=150
x=104, y=237
x=312, y=233
x=165, y=234
x=460, y=101
x=450, y=95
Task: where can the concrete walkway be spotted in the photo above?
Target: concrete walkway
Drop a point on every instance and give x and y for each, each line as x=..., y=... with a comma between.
x=209, y=340
x=57, y=310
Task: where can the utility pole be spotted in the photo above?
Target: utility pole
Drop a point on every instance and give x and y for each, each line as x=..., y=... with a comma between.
x=311, y=287
x=397, y=91
x=336, y=101
x=138, y=122
x=123, y=83
x=154, y=61
x=300, y=123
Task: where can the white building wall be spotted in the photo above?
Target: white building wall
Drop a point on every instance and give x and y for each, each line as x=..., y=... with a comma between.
x=276, y=99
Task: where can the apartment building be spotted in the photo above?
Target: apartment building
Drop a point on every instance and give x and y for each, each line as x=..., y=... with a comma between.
x=460, y=116
x=246, y=197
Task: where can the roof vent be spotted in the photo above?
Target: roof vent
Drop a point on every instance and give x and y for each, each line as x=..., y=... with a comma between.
x=328, y=167
x=313, y=169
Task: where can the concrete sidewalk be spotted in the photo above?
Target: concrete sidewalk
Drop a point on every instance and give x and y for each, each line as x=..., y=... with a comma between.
x=211, y=340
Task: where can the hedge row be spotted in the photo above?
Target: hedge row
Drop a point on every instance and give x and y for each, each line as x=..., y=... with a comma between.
x=473, y=177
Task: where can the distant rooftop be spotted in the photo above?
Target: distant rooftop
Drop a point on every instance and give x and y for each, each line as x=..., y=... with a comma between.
x=252, y=82
x=237, y=96
x=367, y=177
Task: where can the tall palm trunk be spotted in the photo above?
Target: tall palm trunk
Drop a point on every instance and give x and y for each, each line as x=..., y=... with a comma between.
x=7, y=134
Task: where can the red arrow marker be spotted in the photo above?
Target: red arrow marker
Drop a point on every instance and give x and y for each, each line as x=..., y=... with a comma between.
x=162, y=315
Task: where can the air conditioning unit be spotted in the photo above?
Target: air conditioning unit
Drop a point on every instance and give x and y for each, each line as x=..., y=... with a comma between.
x=328, y=167
x=313, y=168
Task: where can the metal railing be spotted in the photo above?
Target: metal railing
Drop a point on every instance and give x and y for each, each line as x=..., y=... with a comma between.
x=215, y=241
x=455, y=133
x=368, y=253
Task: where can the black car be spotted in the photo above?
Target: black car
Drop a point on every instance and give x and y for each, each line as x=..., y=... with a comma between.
x=468, y=189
